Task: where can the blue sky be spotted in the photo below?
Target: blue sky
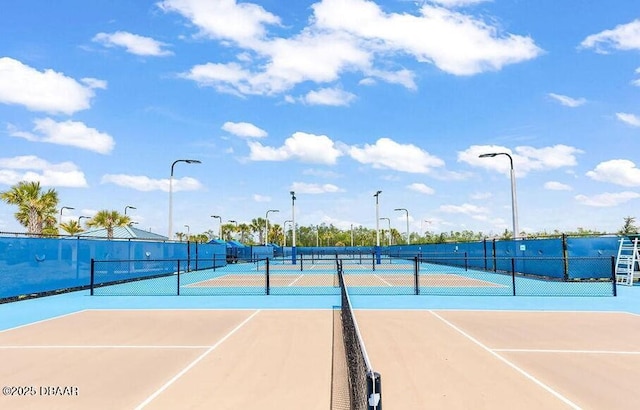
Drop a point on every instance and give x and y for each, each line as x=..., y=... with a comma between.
x=333, y=99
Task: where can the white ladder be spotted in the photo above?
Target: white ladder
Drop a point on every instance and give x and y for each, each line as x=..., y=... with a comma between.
x=627, y=262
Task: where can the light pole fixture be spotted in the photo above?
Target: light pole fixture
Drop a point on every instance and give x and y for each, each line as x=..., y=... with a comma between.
x=407, y=213
x=377, y=195
x=220, y=225
x=514, y=202
x=134, y=223
x=293, y=224
x=266, y=234
x=188, y=232
x=81, y=217
x=62, y=209
x=284, y=228
x=128, y=207
x=389, y=237
x=188, y=161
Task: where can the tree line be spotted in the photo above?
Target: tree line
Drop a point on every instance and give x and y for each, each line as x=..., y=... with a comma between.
x=38, y=210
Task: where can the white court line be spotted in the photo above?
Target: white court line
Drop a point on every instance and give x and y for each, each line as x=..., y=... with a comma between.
x=508, y=363
x=388, y=284
x=43, y=320
x=297, y=279
x=611, y=352
x=193, y=363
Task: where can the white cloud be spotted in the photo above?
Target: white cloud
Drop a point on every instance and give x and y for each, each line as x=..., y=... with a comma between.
x=335, y=42
x=71, y=133
x=146, y=184
x=422, y=188
x=617, y=171
x=556, y=186
x=466, y=209
x=329, y=96
x=607, y=199
x=310, y=148
x=622, y=37
x=243, y=23
x=133, y=43
x=261, y=198
x=244, y=129
x=568, y=101
x=306, y=188
x=471, y=47
x=525, y=159
x=32, y=168
x=46, y=91
x=388, y=154
x=629, y=119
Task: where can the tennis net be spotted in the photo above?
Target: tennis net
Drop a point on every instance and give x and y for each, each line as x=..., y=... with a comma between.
x=364, y=382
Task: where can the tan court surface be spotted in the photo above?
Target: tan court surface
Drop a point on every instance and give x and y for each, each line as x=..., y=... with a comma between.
x=504, y=360
x=282, y=359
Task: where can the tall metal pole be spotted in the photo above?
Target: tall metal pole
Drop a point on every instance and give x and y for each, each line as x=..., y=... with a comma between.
x=407, y=212
x=377, y=249
x=514, y=202
x=219, y=226
x=188, y=161
x=266, y=233
x=352, y=235
x=293, y=227
x=389, y=232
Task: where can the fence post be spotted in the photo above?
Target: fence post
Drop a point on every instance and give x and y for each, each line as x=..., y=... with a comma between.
x=565, y=257
x=466, y=262
x=416, y=273
x=613, y=276
x=267, y=277
x=178, y=292
x=513, y=275
x=92, y=283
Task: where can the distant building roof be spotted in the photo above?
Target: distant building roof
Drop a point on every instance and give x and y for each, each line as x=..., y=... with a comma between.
x=217, y=242
x=124, y=232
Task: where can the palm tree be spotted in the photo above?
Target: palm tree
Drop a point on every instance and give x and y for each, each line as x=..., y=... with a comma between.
x=245, y=230
x=72, y=227
x=108, y=220
x=257, y=226
x=36, y=209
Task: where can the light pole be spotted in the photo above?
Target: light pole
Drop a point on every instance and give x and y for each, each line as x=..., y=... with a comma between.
x=377, y=195
x=80, y=218
x=188, y=161
x=219, y=227
x=62, y=209
x=407, y=212
x=352, y=235
x=317, y=236
x=188, y=232
x=128, y=207
x=293, y=225
x=284, y=228
x=389, y=237
x=421, y=228
x=514, y=202
x=234, y=222
x=266, y=234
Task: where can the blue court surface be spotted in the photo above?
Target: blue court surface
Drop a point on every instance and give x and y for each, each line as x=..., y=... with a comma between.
x=32, y=310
